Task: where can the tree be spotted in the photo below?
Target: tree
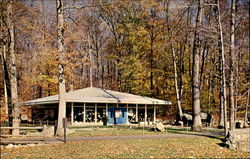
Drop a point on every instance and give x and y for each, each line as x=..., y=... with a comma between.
x=177, y=90
x=91, y=62
x=197, y=126
x=223, y=65
x=61, y=78
x=12, y=66
x=6, y=79
x=231, y=66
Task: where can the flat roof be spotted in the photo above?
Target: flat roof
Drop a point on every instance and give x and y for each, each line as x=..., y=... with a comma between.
x=98, y=95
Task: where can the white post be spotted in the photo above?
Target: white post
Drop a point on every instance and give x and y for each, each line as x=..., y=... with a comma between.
x=106, y=109
x=84, y=113
x=146, y=114
x=154, y=114
x=95, y=112
x=136, y=113
x=127, y=113
x=72, y=113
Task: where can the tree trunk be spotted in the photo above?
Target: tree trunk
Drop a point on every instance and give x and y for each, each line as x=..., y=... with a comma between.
x=232, y=65
x=248, y=97
x=5, y=78
x=197, y=126
x=180, y=114
x=177, y=90
x=91, y=62
x=247, y=105
x=13, y=72
x=221, y=124
x=151, y=60
x=62, y=100
x=223, y=78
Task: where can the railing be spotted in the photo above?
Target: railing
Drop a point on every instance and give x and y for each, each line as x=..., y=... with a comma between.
x=44, y=129
x=24, y=128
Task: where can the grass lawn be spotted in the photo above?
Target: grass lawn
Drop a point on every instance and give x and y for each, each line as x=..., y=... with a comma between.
x=112, y=131
x=201, y=147
x=124, y=130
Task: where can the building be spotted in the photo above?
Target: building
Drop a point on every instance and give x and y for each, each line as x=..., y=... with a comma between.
x=91, y=105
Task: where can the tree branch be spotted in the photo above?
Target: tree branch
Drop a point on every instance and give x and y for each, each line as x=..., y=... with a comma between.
x=73, y=20
x=88, y=6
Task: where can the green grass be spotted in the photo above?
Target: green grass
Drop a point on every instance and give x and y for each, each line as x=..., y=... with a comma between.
x=124, y=130
x=112, y=131
x=151, y=148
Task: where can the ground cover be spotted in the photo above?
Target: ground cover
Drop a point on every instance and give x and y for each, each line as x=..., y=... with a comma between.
x=112, y=131
x=127, y=130
x=193, y=147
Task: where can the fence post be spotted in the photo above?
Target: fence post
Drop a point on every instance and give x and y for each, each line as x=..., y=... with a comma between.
x=92, y=131
x=143, y=128
x=44, y=134
x=65, y=127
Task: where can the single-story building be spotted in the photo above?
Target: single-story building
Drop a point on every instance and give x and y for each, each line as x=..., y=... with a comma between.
x=91, y=105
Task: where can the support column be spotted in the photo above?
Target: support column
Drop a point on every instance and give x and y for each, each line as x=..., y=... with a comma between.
x=136, y=113
x=84, y=113
x=72, y=113
x=154, y=114
x=146, y=114
x=107, y=110
x=127, y=112
x=95, y=112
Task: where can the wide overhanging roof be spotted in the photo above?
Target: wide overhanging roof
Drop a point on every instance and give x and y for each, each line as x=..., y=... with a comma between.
x=98, y=95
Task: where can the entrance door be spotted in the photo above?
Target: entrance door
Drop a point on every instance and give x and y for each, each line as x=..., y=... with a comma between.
x=117, y=116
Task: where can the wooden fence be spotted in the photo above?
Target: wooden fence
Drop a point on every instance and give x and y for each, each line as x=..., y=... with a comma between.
x=24, y=128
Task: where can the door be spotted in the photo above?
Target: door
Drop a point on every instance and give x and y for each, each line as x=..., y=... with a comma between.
x=117, y=116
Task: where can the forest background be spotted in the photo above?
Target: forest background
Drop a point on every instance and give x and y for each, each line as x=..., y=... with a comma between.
x=142, y=47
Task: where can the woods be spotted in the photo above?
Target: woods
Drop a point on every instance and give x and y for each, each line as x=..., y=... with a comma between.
x=192, y=53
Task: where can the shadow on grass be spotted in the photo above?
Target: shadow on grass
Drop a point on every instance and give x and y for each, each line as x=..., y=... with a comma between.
x=212, y=135
x=223, y=145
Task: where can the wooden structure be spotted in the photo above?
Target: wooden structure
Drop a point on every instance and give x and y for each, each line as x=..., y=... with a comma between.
x=92, y=105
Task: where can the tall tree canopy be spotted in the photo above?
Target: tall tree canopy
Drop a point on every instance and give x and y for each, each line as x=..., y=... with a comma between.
x=164, y=49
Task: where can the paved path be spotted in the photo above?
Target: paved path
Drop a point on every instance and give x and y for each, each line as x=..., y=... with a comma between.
x=131, y=137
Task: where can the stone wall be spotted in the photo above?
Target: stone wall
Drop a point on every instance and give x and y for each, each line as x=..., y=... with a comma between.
x=49, y=131
x=239, y=140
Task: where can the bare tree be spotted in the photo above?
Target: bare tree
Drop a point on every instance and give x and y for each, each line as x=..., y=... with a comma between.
x=223, y=76
x=5, y=74
x=197, y=126
x=6, y=79
x=248, y=97
x=232, y=65
x=13, y=72
x=62, y=100
x=91, y=61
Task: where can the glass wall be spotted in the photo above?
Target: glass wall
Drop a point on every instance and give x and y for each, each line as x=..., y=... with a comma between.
x=78, y=114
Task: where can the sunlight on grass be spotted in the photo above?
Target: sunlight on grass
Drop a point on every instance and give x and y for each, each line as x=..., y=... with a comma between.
x=150, y=148
x=112, y=131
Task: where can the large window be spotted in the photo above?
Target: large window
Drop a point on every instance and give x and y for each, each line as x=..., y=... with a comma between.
x=78, y=114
